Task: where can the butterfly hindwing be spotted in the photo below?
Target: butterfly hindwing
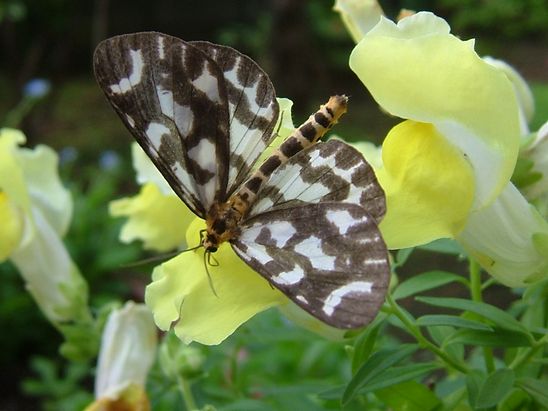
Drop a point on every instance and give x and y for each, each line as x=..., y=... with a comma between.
x=253, y=108
x=173, y=99
x=336, y=268
x=326, y=171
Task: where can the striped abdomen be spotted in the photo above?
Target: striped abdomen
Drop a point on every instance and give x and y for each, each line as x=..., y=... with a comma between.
x=304, y=136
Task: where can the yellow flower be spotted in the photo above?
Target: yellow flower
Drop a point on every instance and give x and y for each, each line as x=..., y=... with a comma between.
x=446, y=168
x=128, y=349
x=36, y=210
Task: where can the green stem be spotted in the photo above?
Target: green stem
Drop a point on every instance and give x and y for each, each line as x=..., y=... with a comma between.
x=525, y=355
x=186, y=393
x=421, y=339
x=475, y=291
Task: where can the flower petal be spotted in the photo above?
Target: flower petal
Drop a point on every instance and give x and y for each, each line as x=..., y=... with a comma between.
x=128, y=349
x=508, y=239
x=181, y=296
x=40, y=167
x=417, y=70
x=12, y=226
x=359, y=16
x=159, y=220
x=12, y=180
x=429, y=186
x=50, y=275
x=147, y=171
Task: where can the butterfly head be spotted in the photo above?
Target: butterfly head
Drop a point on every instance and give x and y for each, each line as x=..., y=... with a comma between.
x=222, y=223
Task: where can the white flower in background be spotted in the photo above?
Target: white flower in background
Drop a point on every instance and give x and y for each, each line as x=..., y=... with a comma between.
x=35, y=212
x=128, y=350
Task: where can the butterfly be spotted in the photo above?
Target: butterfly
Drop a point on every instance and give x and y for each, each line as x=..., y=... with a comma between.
x=306, y=219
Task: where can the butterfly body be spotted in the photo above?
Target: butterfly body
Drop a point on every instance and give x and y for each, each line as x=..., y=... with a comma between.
x=306, y=219
x=223, y=219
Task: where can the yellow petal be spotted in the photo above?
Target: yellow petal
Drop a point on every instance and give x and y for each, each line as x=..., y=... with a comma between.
x=429, y=186
x=12, y=180
x=417, y=70
x=359, y=16
x=159, y=220
x=12, y=226
x=181, y=296
x=132, y=398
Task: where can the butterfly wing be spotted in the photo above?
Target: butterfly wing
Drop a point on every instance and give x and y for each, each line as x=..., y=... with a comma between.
x=253, y=108
x=326, y=171
x=173, y=99
x=329, y=258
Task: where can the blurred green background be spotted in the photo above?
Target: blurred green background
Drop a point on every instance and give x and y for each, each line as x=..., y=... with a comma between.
x=301, y=44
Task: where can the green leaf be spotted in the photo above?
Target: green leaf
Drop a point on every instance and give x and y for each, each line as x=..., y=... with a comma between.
x=444, y=246
x=452, y=321
x=375, y=365
x=474, y=380
x=535, y=388
x=364, y=345
x=397, y=375
x=499, y=317
x=408, y=396
x=425, y=281
x=495, y=338
x=402, y=256
x=494, y=388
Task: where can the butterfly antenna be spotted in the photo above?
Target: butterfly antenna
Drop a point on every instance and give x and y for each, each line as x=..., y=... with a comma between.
x=211, y=258
x=151, y=259
x=209, y=279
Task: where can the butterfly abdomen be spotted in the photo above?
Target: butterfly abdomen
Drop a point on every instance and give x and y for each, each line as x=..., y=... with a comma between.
x=307, y=134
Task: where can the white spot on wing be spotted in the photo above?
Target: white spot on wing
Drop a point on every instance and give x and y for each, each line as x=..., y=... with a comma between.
x=161, y=52
x=204, y=154
x=342, y=219
x=155, y=132
x=289, y=277
x=336, y=296
x=130, y=120
x=165, y=97
x=137, y=65
x=208, y=84
x=282, y=231
x=301, y=298
x=311, y=247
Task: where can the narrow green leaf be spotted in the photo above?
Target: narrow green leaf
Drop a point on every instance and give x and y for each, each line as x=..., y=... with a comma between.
x=495, y=338
x=452, y=321
x=364, y=345
x=495, y=388
x=535, y=388
x=408, y=396
x=334, y=393
x=425, y=281
x=499, y=317
x=397, y=375
x=375, y=365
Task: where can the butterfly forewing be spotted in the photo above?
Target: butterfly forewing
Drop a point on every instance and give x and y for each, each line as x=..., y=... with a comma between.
x=329, y=258
x=173, y=99
x=330, y=171
x=253, y=108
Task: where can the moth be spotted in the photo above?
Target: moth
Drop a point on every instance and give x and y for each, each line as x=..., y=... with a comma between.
x=306, y=219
